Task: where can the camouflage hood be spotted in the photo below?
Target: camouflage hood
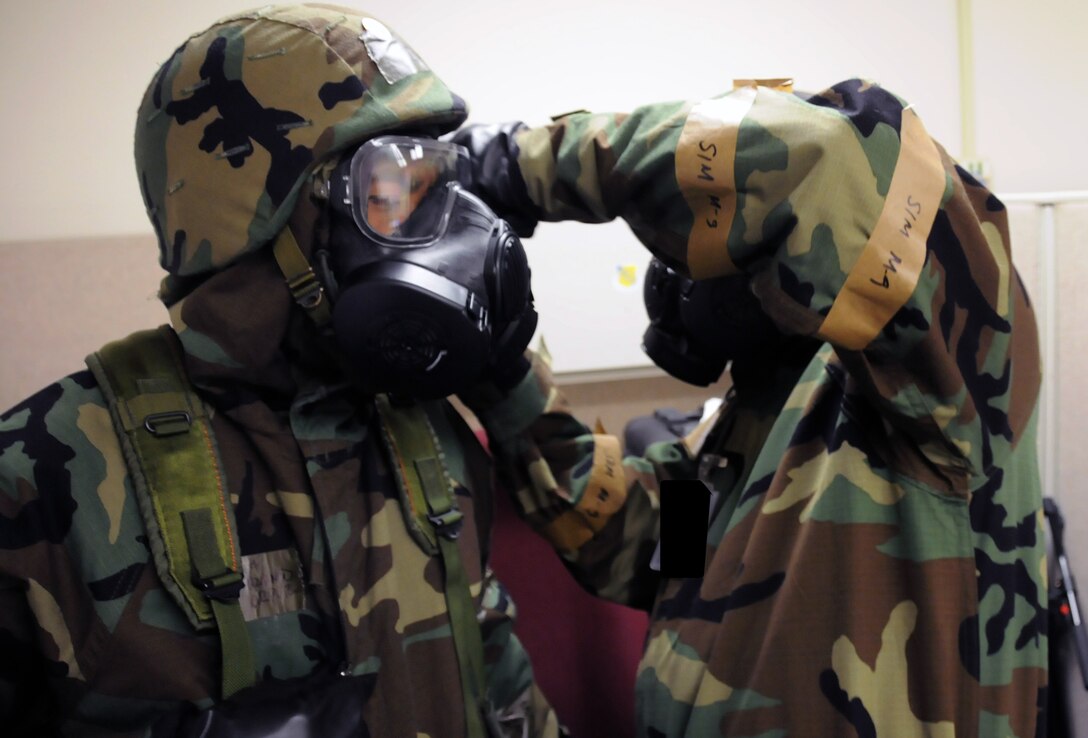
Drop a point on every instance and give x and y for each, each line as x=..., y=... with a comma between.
x=237, y=119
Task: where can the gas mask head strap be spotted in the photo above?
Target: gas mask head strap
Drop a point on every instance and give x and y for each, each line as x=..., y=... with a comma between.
x=305, y=287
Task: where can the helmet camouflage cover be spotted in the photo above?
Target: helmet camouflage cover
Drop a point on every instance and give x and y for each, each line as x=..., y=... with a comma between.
x=237, y=119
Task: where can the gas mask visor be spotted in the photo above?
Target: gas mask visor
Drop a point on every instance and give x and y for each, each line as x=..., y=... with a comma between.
x=401, y=189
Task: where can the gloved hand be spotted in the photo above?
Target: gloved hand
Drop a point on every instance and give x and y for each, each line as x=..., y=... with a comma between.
x=506, y=372
x=496, y=178
x=499, y=381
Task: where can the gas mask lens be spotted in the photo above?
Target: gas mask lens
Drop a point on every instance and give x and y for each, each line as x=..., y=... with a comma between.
x=402, y=189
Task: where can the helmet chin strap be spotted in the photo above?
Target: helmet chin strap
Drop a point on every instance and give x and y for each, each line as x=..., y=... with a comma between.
x=312, y=296
x=306, y=288
x=305, y=285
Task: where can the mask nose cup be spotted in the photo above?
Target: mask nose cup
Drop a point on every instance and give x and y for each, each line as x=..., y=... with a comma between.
x=404, y=329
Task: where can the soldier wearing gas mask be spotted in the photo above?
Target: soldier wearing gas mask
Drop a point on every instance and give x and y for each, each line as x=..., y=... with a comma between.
x=874, y=557
x=265, y=519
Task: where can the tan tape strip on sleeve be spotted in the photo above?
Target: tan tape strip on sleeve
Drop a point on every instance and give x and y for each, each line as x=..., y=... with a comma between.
x=568, y=532
x=604, y=494
x=607, y=489
x=705, y=171
x=891, y=262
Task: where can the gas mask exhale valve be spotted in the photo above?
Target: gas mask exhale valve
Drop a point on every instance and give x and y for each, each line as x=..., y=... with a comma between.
x=430, y=284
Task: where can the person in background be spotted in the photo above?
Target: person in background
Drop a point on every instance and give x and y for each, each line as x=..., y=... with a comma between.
x=874, y=560
x=266, y=519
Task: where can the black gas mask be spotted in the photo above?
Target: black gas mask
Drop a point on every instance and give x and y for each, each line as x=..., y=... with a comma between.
x=697, y=327
x=429, y=286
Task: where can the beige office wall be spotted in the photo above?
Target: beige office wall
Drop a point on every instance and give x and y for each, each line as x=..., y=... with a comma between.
x=62, y=299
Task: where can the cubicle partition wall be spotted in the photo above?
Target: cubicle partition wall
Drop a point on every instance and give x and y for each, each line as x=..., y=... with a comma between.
x=1049, y=232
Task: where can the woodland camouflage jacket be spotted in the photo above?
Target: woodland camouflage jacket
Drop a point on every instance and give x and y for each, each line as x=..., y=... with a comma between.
x=91, y=643
x=875, y=560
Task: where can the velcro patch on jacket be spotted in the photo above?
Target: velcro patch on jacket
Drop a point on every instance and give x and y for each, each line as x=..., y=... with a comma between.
x=274, y=584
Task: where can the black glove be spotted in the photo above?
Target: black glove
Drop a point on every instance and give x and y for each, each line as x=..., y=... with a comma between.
x=496, y=178
x=496, y=384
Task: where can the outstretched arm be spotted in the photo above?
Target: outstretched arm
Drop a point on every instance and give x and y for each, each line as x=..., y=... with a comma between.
x=574, y=487
x=854, y=226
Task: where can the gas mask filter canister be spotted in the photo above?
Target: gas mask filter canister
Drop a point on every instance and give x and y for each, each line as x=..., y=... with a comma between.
x=430, y=285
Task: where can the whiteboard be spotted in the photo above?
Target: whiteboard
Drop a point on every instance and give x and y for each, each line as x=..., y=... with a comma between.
x=587, y=283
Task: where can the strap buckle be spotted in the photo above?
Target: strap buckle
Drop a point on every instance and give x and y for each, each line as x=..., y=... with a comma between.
x=306, y=289
x=225, y=587
x=447, y=524
x=169, y=423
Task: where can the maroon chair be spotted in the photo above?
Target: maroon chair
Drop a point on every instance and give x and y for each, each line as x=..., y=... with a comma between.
x=585, y=651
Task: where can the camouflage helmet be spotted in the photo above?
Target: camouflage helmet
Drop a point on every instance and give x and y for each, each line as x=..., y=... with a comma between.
x=235, y=122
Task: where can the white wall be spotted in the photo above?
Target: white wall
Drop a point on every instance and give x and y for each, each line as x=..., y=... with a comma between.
x=1030, y=93
x=78, y=71
x=73, y=73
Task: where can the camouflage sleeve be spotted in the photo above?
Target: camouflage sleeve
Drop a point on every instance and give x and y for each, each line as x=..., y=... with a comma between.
x=512, y=690
x=855, y=226
x=573, y=486
x=24, y=692
x=27, y=675
x=50, y=635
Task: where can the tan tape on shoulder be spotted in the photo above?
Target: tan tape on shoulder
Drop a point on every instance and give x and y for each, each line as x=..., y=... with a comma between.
x=781, y=84
x=604, y=494
x=886, y=273
x=705, y=172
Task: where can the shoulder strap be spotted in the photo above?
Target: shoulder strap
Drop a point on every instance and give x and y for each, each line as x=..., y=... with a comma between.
x=421, y=471
x=167, y=442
